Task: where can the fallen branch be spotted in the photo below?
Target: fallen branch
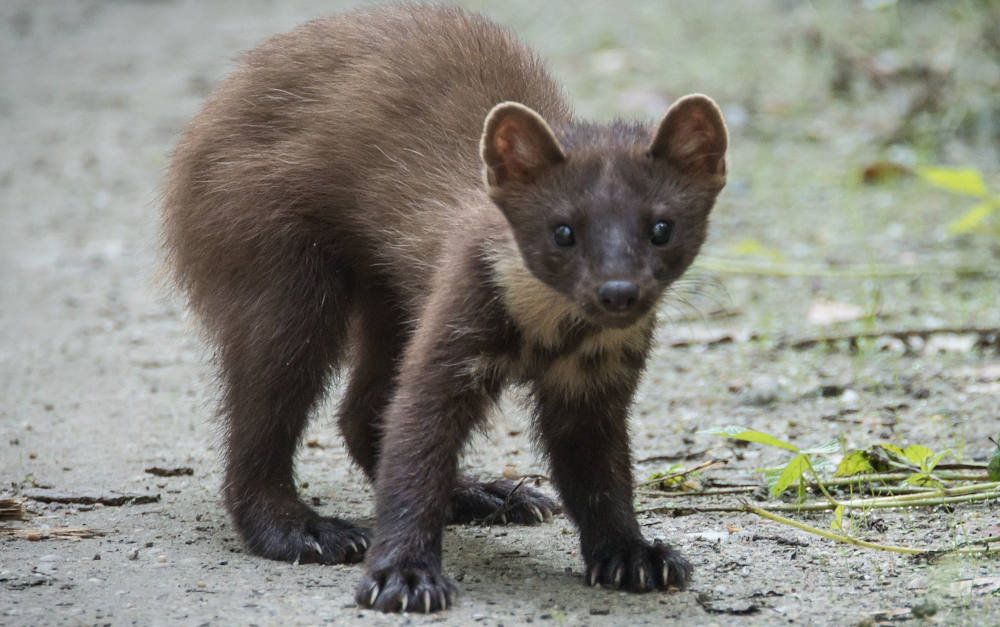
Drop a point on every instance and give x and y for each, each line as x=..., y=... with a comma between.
x=34, y=534
x=11, y=509
x=986, y=336
x=43, y=495
x=805, y=270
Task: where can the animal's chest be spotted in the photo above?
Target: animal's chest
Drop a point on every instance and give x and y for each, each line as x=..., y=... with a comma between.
x=580, y=363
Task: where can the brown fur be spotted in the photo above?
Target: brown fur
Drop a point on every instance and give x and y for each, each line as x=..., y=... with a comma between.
x=330, y=206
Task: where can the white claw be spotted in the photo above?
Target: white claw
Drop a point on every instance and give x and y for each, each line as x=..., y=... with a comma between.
x=642, y=578
x=363, y=542
x=354, y=548
x=317, y=547
x=666, y=574
x=374, y=595
x=503, y=519
x=592, y=576
x=443, y=599
x=538, y=514
x=618, y=577
x=427, y=602
x=402, y=604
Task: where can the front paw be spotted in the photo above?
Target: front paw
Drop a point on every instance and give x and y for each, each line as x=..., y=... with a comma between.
x=406, y=588
x=639, y=567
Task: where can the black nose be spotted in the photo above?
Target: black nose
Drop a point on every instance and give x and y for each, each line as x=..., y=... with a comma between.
x=618, y=296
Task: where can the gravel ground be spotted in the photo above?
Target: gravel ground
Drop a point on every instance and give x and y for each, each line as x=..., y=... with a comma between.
x=103, y=374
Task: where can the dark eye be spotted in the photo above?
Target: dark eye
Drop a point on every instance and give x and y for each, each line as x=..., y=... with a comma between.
x=563, y=236
x=660, y=234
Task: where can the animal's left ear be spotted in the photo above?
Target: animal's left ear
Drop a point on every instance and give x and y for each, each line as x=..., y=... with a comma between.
x=693, y=137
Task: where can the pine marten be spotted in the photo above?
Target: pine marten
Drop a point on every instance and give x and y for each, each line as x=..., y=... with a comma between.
x=403, y=191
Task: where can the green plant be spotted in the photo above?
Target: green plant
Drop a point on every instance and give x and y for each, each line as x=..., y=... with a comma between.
x=966, y=182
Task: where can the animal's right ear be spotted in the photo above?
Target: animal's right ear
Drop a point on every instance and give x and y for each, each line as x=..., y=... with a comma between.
x=517, y=145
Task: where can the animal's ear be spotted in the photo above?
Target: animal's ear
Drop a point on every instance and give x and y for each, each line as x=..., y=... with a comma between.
x=692, y=136
x=517, y=145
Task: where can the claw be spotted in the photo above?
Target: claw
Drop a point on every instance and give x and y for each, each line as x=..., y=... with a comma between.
x=363, y=542
x=592, y=576
x=354, y=548
x=403, y=603
x=374, y=595
x=618, y=576
x=443, y=599
x=666, y=574
x=642, y=578
x=427, y=602
x=537, y=513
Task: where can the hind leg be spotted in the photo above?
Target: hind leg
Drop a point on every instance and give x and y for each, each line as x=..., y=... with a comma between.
x=380, y=336
x=499, y=502
x=278, y=346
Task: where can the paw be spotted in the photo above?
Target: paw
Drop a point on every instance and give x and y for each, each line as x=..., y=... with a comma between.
x=295, y=533
x=500, y=502
x=639, y=568
x=408, y=588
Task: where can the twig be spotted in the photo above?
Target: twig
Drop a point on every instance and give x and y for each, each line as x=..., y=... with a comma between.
x=35, y=534
x=950, y=496
x=705, y=492
x=786, y=270
x=848, y=540
x=11, y=509
x=683, y=473
x=899, y=334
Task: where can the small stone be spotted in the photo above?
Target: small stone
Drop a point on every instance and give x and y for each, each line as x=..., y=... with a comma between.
x=133, y=554
x=924, y=609
x=763, y=390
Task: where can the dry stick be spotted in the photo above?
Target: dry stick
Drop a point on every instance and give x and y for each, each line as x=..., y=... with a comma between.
x=716, y=264
x=705, y=492
x=848, y=540
x=682, y=473
x=899, y=334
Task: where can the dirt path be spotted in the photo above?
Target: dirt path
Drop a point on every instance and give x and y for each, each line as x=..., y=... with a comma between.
x=103, y=376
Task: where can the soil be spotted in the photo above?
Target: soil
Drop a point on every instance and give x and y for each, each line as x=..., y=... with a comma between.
x=104, y=375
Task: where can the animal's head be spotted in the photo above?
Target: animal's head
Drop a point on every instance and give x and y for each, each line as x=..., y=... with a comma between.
x=608, y=215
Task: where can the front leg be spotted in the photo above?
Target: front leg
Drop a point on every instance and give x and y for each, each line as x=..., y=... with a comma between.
x=587, y=442
x=438, y=399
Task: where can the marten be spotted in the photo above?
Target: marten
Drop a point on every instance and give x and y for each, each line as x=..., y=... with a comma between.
x=404, y=192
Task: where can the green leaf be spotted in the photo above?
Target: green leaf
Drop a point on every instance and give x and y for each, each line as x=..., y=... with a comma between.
x=993, y=468
x=824, y=449
x=838, y=518
x=929, y=464
x=749, y=435
x=922, y=479
x=854, y=463
x=790, y=474
x=917, y=453
x=965, y=181
x=972, y=219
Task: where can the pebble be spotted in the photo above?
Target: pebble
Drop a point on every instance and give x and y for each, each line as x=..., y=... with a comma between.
x=763, y=390
x=849, y=399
